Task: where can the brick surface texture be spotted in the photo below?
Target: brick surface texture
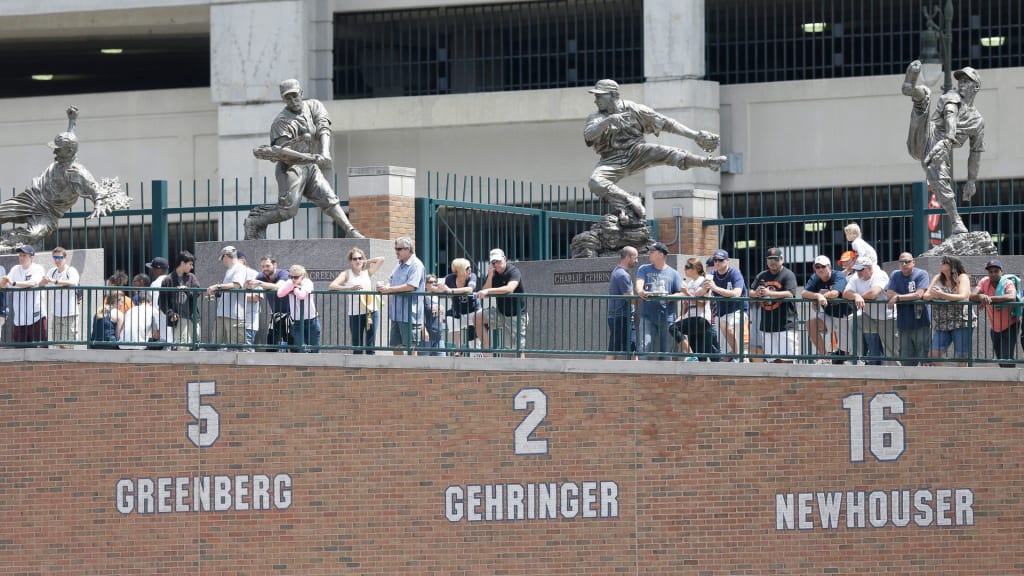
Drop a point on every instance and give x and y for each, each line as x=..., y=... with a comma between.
x=698, y=462
x=383, y=216
x=694, y=238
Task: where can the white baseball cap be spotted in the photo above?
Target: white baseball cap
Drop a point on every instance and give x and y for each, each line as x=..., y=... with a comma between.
x=496, y=254
x=823, y=260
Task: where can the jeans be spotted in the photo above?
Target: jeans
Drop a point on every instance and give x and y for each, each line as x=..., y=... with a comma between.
x=1004, y=344
x=655, y=337
x=363, y=329
x=307, y=333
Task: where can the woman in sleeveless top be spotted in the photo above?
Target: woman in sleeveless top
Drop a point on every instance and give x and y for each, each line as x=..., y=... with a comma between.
x=461, y=284
x=363, y=313
x=952, y=323
x=694, y=324
x=108, y=322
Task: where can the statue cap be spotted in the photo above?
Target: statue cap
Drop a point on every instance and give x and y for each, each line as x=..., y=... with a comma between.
x=968, y=73
x=289, y=86
x=605, y=86
x=64, y=140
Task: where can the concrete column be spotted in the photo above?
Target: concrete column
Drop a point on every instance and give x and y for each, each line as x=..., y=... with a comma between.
x=673, y=39
x=382, y=201
x=674, y=67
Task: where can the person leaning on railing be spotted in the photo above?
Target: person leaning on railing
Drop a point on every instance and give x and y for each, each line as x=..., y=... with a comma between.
x=866, y=288
x=363, y=309
x=179, y=305
x=998, y=293
x=305, y=324
x=953, y=323
x=28, y=311
x=464, y=305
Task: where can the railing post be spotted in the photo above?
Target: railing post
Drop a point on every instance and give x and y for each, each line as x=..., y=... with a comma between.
x=426, y=234
x=918, y=218
x=158, y=226
x=540, y=241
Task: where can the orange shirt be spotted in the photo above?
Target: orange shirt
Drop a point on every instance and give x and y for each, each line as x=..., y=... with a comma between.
x=999, y=318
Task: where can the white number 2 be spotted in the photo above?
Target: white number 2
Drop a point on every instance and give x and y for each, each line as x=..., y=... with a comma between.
x=523, y=444
x=888, y=441
x=203, y=413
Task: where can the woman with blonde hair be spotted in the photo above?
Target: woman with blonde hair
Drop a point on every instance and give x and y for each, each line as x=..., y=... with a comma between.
x=952, y=323
x=363, y=309
x=305, y=324
x=461, y=283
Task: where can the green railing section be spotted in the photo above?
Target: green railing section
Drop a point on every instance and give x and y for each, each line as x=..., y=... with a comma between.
x=467, y=216
x=556, y=325
x=893, y=219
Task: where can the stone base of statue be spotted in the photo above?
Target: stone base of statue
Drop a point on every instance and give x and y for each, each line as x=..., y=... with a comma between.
x=611, y=234
x=968, y=244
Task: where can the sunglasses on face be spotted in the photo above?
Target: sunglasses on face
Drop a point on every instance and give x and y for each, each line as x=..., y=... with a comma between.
x=819, y=267
x=400, y=248
x=58, y=257
x=719, y=259
x=357, y=258
x=688, y=267
x=295, y=277
x=906, y=261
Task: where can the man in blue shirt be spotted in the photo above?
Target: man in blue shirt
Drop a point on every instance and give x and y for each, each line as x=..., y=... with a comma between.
x=654, y=282
x=913, y=321
x=826, y=287
x=406, y=311
x=729, y=286
x=620, y=310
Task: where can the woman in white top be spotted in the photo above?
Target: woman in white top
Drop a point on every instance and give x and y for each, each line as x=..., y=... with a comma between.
x=305, y=324
x=694, y=325
x=363, y=309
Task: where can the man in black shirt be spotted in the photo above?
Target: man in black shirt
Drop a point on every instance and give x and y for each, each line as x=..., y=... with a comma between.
x=778, y=318
x=180, y=307
x=507, y=314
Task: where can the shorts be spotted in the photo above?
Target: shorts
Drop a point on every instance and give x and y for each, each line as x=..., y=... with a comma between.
x=756, y=337
x=778, y=344
x=733, y=322
x=840, y=327
x=509, y=326
x=960, y=338
x=64, y=329
x=404, y=334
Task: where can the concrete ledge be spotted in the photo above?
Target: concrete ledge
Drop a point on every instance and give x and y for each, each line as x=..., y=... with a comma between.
x=596, y=365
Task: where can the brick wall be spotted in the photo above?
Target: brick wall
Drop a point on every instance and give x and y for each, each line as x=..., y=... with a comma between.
x=386, y=217
x=699, y=462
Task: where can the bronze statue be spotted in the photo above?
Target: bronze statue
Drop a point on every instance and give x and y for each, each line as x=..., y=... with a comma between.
x=616, y=132
x=40, y=206
x=300, y=144
x=933, y=135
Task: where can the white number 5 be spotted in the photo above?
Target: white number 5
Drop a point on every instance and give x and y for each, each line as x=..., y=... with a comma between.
x=203, y=413
x=524, y=446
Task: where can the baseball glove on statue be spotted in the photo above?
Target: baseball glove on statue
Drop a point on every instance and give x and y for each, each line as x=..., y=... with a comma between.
x=707, y=140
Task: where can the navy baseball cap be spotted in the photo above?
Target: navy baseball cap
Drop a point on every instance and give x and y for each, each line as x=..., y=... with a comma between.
x=26, y=249
x=158, y=262
x=659, y=247
x=720, y=255
x=994, y=263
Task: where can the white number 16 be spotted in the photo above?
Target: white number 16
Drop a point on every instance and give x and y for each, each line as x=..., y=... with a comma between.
x=888, y=441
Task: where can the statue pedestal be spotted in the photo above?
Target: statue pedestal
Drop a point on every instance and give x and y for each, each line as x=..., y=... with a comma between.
x=323, y=259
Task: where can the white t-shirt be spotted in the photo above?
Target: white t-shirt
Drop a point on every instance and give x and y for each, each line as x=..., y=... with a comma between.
x=232, y=304
x=696, y=309
x=65, y=302
x=873, y=309
x=864, y=250
x=27, y=306
x=252, y=307
x=139, y=323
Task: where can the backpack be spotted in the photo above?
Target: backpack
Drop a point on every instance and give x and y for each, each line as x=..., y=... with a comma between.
x=1016, y=308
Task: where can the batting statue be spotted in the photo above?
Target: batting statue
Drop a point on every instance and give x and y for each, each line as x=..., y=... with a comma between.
x=300, y=144
x=39, y=207
x=616, y=132
x=933, y=136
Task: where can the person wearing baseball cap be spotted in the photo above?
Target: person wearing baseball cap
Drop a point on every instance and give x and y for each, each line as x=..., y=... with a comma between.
x=846, y=260
x=932, y=137
x=654, y=281
x=508, y=314
x=866, y=289
x=301, y=135
x=832, y=313
x=996, y=292
x=230, y=325
x=728, y=286
x=616, y=133
x=913, y=319
x=28, y=310
x=778, y=316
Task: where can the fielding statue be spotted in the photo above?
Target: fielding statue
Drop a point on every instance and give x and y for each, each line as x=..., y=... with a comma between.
x=616, y=132
x=932, y=137
x=300, y=144
x=39, y=208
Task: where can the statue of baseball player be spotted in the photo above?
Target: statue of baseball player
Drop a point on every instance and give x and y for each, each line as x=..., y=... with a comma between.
x=300, y=144
x=39, y=207
x=932, y=137
x=616, y=132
